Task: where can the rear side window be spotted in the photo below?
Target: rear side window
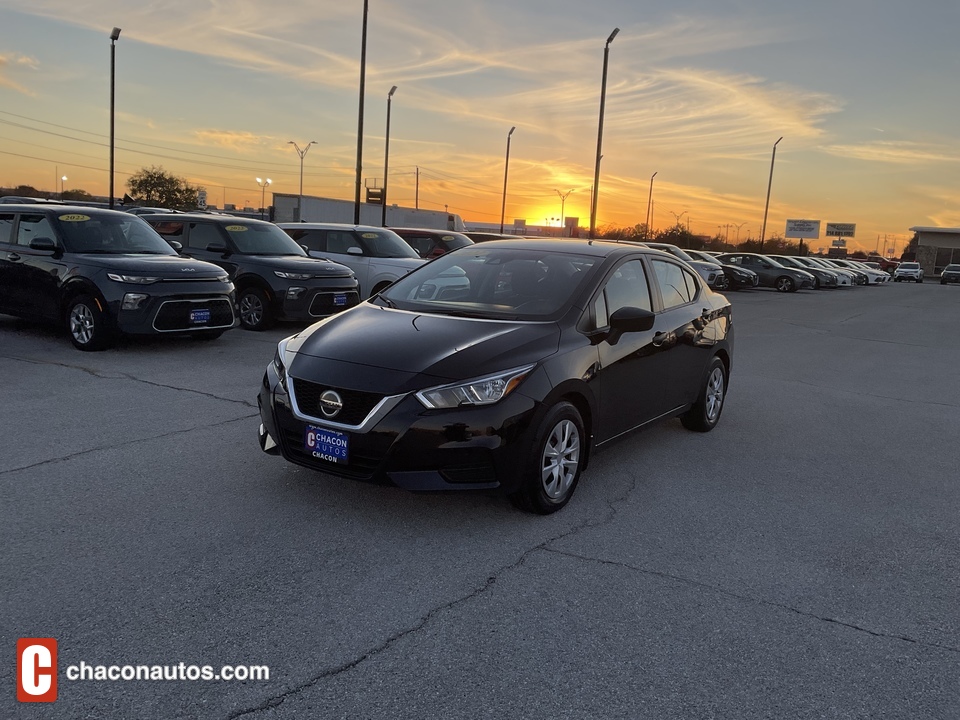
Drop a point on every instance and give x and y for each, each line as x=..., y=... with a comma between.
x=423, y=244
x=169, y=230
x=32, y=227
x=673, y=285
x=6, y=228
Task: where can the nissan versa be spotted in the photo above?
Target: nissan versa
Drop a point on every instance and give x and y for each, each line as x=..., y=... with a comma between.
x=100, y=271
x=507, y=380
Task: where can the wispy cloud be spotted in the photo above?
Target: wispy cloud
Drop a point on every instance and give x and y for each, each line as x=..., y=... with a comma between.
x=12, y=63
x=897, y=152
x=236, y=140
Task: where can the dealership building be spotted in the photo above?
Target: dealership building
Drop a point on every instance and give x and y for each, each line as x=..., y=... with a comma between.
x=936, y=248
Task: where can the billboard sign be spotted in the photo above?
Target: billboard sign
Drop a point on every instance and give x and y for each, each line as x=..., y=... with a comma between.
x=839, y=243
x=804, y=229
x=841, y=229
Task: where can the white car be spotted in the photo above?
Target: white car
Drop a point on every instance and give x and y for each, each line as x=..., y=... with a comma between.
x=376, y=255
x=845, y=278
x=874, y=277
x=908, y=271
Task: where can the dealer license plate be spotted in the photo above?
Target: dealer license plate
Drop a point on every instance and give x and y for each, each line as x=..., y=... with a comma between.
x=199, y=317
x=328, y=445
x=340, y=300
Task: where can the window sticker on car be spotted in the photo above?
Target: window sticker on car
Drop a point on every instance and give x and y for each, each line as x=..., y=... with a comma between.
x=237, y=228
x=73, y=218
x=370, y=236
x=448, y=238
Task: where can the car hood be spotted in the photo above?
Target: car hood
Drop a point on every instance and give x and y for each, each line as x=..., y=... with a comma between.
x=165, y=266
x=298, y=264
x=373, y=341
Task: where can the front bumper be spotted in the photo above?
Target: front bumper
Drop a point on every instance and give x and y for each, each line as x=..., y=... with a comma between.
x=174, y=310
x=479, y=448
x=313, y=303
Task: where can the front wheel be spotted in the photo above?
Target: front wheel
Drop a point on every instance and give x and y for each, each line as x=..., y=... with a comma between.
x=723, y=283
x=254, y=309
x=919, y=280
x=785, y=284
x=553, y=469
x=705, y=413
x=88, y=324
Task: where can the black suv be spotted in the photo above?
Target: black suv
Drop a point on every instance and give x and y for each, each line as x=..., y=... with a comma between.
x=100, y=272
x=275, y=278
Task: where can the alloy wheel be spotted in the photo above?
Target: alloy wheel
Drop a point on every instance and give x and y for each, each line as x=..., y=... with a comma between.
x=251, y=310
x=560, y=459
x=715, y=391
x=82, y=324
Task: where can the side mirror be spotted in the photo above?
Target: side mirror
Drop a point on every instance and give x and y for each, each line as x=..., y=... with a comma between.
x=305, y=249
x=175, y=245
x=44, y=244
x=354, y=251
x=218, y=248
x=629, y=319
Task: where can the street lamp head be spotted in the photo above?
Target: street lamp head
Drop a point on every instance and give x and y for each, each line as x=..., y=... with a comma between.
x=392, y=91
x=654, y=175
x=511, y=131
x=612, y=35
x=269, y=181
x=312, y=142
x=259, y=181
x=778, y=141
x=115, y=34
x=64, y=178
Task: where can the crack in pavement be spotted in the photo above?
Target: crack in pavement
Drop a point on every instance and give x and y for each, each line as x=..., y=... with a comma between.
x=875, y=395
x=126, y=376
x=276, y=700
x=125, y=443
x=747, y=598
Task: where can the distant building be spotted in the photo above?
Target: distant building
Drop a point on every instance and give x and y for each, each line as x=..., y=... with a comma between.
x=937, y=248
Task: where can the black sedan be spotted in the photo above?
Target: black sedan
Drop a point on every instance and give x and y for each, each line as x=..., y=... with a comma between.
x=501, y=366
x=737, y=278
x=770, y=272
x=950, y=274
x=101, y=272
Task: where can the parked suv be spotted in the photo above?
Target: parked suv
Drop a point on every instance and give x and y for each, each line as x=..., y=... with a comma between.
x=101, y=272
x=908, y=271
x=950, y=274
x=376, y=255
x=432, y=243
x=275, y=279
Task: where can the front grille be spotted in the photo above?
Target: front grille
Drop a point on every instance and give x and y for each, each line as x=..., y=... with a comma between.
x=356, y=404
x=190, y=278
x=324, y=304
x=174, y=315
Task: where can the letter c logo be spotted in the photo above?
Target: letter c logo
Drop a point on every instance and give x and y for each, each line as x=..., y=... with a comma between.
x=36, y=669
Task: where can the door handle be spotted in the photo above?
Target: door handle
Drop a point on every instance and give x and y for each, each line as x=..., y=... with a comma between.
x=13, y=257
x=660, y=338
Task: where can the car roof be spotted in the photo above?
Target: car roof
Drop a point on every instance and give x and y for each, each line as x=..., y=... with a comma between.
x=61, y=208
x=598, y=248
x=192, y=217
x=428, y=231
x=330, y=226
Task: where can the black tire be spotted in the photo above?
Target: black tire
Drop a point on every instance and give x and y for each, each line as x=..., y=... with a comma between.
x=255, y=313
x=943, y=282
x=723, y=283
x=919, y=280
x=785, y=284
x=816, y=283
x=553, y=468
x=896, y=279
x=89, y=326
x=706, y=412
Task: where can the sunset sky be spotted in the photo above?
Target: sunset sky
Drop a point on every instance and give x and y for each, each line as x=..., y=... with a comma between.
x=862, y=91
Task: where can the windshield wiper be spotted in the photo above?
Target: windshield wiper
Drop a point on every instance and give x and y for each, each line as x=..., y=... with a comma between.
x=387, y=301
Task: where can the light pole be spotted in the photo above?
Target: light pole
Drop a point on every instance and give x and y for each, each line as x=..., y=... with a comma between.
x=596, y=169
x=650, y=203
x=62, y=181
x=763, y=229
x=386, y=161
x=113, y=67
x=302, y=153
x=738, y=231
x=363, y=77
x=506, y=169
x=263, y=192
x=680, y=216
x=563, y=200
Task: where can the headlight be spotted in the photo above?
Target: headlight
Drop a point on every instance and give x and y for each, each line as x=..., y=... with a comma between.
x=223, y=278
x=482, y=391
x=133, y=279
x=292, y=275
x=282, y=359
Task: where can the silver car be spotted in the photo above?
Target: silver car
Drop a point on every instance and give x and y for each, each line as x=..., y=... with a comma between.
x=376, y=255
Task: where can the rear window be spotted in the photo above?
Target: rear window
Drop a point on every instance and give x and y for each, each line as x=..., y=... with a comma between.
x=909, y=265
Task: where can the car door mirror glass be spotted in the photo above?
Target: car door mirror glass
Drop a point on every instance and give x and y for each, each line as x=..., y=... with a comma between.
x=217, y=248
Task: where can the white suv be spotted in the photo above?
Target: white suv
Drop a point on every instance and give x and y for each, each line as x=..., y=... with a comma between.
x=908, y=271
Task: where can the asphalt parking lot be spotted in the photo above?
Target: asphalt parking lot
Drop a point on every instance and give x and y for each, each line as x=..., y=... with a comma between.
x=801, y=561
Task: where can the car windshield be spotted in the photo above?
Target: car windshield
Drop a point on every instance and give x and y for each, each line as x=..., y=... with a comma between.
x=500, y=284
x=952, y=268
x=788, y=262
x=386, y=244
x=261, y=239
x=108, y=234
x=703, y=257
x=672, y=249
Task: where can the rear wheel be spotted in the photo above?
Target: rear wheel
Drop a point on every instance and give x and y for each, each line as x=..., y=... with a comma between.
x=785, y=284
x=88, y=324
x=254, y=309
x=553, y=469
x=705, y=413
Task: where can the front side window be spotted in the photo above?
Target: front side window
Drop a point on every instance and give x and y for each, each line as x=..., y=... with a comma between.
x=627, y=287
x=384, y=244
x=32, y=227
x=204, y=234
x=340, y=241
x=673, y=285
x=315, y=240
